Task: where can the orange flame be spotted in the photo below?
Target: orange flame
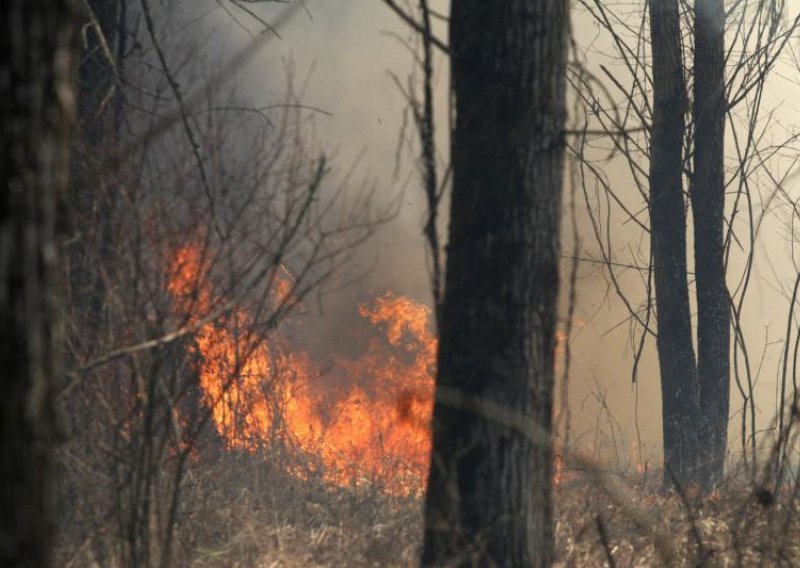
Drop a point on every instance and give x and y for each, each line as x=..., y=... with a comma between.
x=262, y=393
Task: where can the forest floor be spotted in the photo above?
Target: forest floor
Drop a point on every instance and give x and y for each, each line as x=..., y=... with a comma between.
x=735, y=527
x=249, y=515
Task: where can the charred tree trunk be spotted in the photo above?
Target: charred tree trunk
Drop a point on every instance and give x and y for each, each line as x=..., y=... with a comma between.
x=489, y=493
x=708, y=207
x=680, y=396
x=35, y=69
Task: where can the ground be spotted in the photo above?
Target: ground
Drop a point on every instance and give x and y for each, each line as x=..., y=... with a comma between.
x=243, y=512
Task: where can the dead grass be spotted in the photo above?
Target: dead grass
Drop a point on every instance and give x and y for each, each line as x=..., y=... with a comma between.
x=292, y=523
x=242, y=512
x=738, y=526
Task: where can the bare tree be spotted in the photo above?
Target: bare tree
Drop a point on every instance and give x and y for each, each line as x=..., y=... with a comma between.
x=681, y=409
x=707, y=193
x=489, y=493
x=681, y=135
x=185, y=165
x=695, y=395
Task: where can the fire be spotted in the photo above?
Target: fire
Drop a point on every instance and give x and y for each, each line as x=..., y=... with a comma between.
x=354, y=421
x=362, y=420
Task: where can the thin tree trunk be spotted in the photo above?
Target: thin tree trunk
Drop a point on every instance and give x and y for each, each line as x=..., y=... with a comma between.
x=35, y=96
x=708, y=207
x=680, y=397
x=489, y=493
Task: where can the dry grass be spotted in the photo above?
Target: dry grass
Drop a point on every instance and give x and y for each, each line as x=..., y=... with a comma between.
x=240, y=511
x=338, y=528
x=283, y=521
x=738, y=526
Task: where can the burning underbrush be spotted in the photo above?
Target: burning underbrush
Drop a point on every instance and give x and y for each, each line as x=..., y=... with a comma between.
x=351, y=421
x=331, y=456
x=290, y=453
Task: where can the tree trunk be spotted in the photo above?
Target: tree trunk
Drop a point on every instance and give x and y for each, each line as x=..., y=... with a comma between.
x=35, y=70
x=708, y=206
x=680, y=396
x=489, y=493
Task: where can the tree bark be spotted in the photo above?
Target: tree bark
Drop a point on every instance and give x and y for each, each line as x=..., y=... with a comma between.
x=489, y=492
x=35, y=101
x=679, y=389
x=708, y=207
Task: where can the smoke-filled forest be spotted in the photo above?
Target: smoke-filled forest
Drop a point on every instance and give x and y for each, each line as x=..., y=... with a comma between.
x=297, y=283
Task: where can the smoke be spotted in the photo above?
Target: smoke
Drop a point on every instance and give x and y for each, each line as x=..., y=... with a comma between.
x=348, y=63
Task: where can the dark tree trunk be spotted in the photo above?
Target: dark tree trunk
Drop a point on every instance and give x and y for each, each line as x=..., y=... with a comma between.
x=680, y=396
x=35, y=96
x=708, y=207
x=489, y=493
